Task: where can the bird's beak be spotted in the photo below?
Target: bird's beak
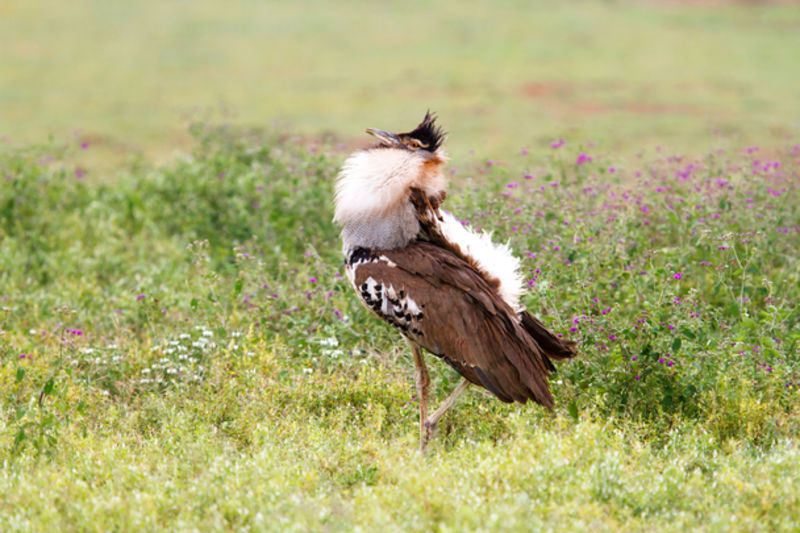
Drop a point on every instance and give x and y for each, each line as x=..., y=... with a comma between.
x=388, y=139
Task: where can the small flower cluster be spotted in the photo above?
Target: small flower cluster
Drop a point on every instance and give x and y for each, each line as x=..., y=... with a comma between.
x=183, y=360
x=102, y=367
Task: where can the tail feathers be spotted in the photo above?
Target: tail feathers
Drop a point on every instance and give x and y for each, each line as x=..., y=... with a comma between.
x=552, y=346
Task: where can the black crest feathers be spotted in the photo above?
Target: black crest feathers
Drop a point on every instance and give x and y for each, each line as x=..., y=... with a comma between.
x=428, y=132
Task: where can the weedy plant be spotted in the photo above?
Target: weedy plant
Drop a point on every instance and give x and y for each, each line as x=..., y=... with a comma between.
x=193, y=317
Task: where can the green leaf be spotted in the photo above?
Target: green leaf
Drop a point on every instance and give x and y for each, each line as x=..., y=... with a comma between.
x=19, y=437
x=676, y=344
x=667, y=402
x=20, y=374
x=238, y=287
x=572, y=409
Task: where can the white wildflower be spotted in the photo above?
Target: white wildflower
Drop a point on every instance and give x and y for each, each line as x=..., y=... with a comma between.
x=330, y=341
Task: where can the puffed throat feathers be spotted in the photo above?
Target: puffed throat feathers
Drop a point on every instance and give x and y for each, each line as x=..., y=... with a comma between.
x=372, y=196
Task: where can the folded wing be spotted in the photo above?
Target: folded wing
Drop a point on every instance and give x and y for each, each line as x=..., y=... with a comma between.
x=443, y=303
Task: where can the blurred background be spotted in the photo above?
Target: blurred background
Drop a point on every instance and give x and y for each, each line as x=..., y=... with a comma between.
x=128, y=77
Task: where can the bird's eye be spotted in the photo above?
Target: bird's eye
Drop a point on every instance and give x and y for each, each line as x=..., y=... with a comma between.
x=415, y=143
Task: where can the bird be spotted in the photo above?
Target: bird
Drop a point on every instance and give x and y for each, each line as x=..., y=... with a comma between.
x=447, y=289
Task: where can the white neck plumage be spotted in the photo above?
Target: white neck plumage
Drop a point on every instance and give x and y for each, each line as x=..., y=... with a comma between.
x=372, y=196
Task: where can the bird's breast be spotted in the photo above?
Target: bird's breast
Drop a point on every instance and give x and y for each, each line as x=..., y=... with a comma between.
x=386, y=231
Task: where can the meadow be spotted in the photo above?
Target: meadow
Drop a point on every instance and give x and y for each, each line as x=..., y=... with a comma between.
x=184, y=339
x=628, y=74
x=179, y=349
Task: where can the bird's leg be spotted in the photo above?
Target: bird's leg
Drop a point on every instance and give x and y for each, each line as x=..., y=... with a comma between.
x=430, y=423
x=423, y=381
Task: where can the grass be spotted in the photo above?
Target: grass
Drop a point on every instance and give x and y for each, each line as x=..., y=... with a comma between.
x=180, y=350
x=626, y=74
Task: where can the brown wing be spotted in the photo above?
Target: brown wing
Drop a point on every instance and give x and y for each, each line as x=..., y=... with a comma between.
x=441, y=302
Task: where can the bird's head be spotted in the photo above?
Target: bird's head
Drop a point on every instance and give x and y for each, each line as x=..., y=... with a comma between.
x=425, y=141
x=374, y=186
x=377, y=181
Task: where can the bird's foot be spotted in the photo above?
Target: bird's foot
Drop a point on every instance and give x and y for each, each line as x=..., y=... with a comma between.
x=430, y=428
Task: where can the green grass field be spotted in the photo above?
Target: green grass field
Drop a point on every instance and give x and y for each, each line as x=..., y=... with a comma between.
x=179, y=349
x=501, y=74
